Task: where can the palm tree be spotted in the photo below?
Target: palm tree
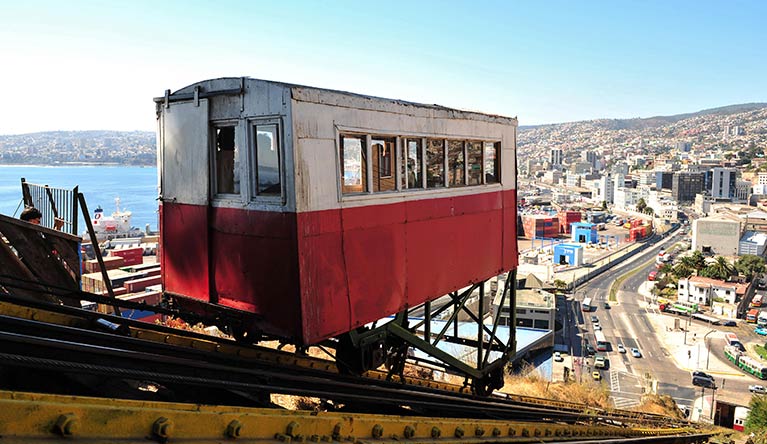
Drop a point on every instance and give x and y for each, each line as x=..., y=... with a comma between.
x=720, y=269
x=559, y=284
x=695, y=261
x=682, y=271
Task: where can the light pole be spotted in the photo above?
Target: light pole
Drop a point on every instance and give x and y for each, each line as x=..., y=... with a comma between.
x=708, y=349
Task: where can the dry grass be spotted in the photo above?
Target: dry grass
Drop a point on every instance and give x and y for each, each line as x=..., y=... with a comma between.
x=659, y=404
x=534, y=385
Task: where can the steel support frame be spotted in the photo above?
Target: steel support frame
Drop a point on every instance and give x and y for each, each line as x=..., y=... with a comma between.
x=485, y=374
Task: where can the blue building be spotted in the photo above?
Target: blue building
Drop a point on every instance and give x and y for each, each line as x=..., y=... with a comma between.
x=568, y=254
x=584, y=233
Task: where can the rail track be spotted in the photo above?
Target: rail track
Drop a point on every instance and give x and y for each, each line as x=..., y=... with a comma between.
x=57, y=351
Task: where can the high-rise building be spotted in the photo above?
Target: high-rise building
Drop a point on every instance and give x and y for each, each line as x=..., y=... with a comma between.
x=606, y=189
x=723, y=183
x=589, y=157
x=684, y=186
x=555, y=158
x=663, y=180
x=683, y=147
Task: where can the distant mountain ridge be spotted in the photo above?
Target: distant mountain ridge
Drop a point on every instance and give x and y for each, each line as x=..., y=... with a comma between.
x=655, y=121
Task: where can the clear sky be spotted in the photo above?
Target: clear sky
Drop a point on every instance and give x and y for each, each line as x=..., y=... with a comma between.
x=78, y=65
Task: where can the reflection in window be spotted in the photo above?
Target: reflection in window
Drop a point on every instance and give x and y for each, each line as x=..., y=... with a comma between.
x=455, y=164
x=353, y=164
x=267, y=161
x=383, y=164
x=413, y=161
x=491, y=162
x=474, y=162
x=435, y=163
x=227, y=161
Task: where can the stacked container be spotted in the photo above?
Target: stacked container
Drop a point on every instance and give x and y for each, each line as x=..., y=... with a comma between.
x=541, y=226
x=566, y=218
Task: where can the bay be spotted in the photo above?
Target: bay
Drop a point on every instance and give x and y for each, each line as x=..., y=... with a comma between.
x=136, y=187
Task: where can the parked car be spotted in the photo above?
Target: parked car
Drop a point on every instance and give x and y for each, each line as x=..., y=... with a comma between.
x=558, y=357
x=594, y=319
x=761, y=331
x=590, y=350
x=621, y=348
x=757, y=389
x=635, y=353
x=730, y=323
x=596, y=375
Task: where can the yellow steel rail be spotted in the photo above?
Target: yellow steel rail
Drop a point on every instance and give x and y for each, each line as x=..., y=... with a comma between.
x=281, y=358
x=26, y=417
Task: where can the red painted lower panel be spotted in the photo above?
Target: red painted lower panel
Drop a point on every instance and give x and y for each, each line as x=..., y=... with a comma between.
x=310, y=276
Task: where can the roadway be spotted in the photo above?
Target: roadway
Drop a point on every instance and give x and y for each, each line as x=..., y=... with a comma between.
x=628, y=322
x=624, y=323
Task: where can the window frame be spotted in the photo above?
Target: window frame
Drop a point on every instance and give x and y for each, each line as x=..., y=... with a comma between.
x=400, y=168
x=213, y=128
x=253, y=125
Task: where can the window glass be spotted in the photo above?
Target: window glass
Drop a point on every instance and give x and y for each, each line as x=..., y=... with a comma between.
x=353, y=164
x=474, y=162
x=491, y=162
x=455, y=163
x=435, y=163
x=227, y=161
x=414, y=159
x=267, y=161
x=383, y=164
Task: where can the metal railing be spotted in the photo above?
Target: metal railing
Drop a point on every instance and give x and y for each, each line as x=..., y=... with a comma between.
x=54, y=203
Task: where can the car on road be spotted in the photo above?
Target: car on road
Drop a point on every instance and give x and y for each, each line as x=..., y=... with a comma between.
x=729, y=323
x=607, y=305
x=596, y=375
x=594, y=319
x=621, y=348
x=761, y=331
x=590, y=350
x=700, y=374
x=558, y=357
x=597, y=327
x=757, y=389
x=635, y=353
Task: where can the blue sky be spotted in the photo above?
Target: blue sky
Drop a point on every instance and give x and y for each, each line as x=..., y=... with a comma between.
x=81, y=65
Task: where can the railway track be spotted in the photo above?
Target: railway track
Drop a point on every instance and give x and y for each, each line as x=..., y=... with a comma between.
x=57, y=350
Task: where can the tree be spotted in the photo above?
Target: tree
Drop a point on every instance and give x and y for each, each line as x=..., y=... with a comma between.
x=757, y=418
x=750, y=265
x=721, y=269
x=641, y=205
x=695, y=261
x=560, y=285
x=682, y=271
x=604, y=205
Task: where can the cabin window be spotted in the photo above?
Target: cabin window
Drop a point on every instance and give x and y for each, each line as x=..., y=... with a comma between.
x=412, y=164
x=435, y=163
x=383, y=163
x=353, y=164
x=267, y=161
x=455, y=164
x=227, y=161
x=474, y=162
x=491, y=162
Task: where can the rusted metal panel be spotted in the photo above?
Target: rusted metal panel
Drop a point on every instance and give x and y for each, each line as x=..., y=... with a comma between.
x=185, y=153
x=52, y=257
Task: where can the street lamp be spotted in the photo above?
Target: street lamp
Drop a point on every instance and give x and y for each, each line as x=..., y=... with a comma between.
x=708, y=353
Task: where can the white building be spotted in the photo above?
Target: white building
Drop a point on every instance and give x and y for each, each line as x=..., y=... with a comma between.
x=703, y=204
x=752, y=242
x=716, y=235
x=646, y=178
x=762, y=179
x=742, y=190
x=663, y=205
x=626, y=199
x=535, y=308
x=701, y=290
x=573, y=180
x=723, y=183
x=606, y=189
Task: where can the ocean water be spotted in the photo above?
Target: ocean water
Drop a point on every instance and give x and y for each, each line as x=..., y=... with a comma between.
x=135, y=186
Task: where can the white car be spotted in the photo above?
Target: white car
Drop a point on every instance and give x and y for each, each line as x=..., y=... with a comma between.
x=635, y=353
x=558, y=357
x=597, y=327
x=621, y=348
x=758, y=389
